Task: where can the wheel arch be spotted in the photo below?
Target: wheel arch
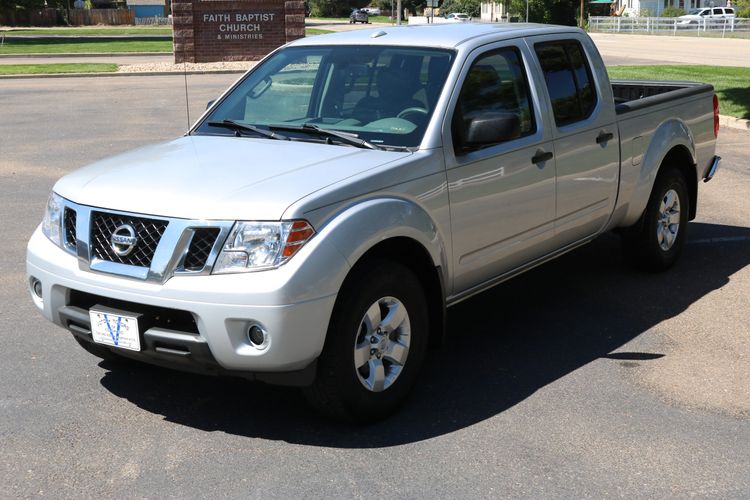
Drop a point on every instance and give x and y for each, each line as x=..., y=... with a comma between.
x=400, y=230
x=672, y=145
x=412, y=255
x=680, y=158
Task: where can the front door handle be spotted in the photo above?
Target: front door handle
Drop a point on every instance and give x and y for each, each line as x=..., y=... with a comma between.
x=604, y=137
x=541, y=157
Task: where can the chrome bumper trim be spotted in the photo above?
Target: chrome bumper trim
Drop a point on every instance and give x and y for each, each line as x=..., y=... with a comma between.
x=712, y=169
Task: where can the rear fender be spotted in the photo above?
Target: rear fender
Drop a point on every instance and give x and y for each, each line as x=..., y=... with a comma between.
x=670, y=134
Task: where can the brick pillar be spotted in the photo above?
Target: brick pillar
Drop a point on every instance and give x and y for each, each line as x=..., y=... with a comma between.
x=183, y=38
x=239, y=30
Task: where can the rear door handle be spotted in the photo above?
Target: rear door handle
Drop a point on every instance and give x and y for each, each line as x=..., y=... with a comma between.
x=540, y=157
x=604, y=137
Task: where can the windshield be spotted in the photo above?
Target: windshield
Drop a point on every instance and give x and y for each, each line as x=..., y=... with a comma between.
x=694, y=12
x=384, y=95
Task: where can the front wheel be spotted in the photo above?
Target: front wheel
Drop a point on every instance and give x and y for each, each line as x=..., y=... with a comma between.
x=376, y=342
x=656, y=240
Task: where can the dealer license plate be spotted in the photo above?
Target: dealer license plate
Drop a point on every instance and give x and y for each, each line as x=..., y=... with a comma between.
x=113, y=328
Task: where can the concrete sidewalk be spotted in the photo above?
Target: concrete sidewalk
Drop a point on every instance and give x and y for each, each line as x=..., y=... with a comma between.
x=675, y=49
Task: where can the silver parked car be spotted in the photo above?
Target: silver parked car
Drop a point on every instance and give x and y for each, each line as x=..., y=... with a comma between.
x=315, y=223
x=359, y=16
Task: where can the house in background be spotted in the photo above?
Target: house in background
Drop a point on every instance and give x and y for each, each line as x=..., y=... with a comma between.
x=493, y=12
x=654, y=7
x=148, y=8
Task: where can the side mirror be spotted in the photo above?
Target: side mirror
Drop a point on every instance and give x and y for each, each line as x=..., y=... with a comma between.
x=210, y=103
x=491, y=128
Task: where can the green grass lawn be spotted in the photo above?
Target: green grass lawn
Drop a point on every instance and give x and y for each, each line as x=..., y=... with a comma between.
x=316, y=31
x=35, y=69
x=17, y=46
x=732, y=84
x=115, y=30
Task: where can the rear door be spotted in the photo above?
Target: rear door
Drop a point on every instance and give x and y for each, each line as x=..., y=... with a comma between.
x=586, y=138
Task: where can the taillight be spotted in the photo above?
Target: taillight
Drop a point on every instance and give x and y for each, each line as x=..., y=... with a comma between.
x=716, y=116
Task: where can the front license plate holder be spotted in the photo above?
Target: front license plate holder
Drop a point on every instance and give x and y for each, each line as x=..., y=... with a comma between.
x=115, y=328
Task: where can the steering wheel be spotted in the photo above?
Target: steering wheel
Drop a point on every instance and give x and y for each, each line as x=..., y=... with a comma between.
x=405, y=112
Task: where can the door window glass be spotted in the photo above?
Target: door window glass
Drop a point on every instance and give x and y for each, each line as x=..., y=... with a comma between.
x=496, y=82
x=568, y=78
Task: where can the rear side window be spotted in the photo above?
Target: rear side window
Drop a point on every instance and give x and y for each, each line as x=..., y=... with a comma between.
x=568, y=78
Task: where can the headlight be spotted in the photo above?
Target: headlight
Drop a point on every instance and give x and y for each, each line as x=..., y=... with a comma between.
x=52, y=221
x=255, y=246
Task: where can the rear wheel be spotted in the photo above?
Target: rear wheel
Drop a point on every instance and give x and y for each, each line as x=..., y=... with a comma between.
x=656, y=240
x=375, y=344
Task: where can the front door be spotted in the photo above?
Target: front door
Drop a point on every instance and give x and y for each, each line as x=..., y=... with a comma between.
x=502, y=197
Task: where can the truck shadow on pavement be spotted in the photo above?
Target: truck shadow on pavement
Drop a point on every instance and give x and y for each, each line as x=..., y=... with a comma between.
x=503, y=346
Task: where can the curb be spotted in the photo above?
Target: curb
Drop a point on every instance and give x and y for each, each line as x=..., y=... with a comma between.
x=86, y=54
x=101, y=38
x=732, y=122
x=113, y=74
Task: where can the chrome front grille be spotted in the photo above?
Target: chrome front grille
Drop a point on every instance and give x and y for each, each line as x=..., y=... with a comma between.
x=148, y=233
x=150, y=249
x=69, y=228
x=201, y=244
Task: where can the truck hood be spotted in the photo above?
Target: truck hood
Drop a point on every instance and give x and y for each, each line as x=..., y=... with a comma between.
x=217, y=177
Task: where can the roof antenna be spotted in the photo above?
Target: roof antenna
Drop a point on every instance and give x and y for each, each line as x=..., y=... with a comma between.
x=187, y=101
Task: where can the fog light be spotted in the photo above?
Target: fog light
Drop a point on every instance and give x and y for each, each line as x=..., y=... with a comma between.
x=36, y=286
x=257, y=336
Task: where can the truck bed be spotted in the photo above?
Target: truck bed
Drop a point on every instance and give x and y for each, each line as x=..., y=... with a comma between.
x=631, y=95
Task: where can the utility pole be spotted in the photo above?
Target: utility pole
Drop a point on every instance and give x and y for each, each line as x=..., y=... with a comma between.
x=581, y=23
x=398, y=16
x=527, y=11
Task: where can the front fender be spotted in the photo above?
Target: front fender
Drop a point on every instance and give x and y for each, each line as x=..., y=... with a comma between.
x=359, y=227
x=670, y=134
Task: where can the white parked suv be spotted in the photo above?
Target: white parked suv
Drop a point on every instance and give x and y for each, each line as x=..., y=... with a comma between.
x=695, y=16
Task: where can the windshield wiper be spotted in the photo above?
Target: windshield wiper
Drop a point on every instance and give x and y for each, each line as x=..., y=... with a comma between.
x=237, y=126
x=342, y=136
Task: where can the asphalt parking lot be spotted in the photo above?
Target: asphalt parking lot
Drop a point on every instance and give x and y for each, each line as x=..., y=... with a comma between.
x=582, y=378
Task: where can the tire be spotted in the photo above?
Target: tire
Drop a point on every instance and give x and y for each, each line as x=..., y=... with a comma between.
x=655, y=241
x=369, y=362
x=98, y=351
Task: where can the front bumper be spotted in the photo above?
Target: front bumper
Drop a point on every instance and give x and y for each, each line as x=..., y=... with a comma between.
x=200, y=323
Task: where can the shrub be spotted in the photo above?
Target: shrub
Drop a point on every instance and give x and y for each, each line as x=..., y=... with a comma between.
x=672, y=11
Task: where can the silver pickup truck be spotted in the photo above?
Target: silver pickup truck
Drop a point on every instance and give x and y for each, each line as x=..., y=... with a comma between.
x=314, y=224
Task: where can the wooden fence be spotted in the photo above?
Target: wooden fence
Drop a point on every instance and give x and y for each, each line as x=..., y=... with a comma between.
x=101, y=16
x=61, y=17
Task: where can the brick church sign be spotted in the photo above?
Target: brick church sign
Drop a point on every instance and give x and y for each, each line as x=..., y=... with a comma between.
x=239, y=30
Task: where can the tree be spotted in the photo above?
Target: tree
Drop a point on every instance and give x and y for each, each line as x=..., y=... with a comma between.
x=546, y=11
x=472, y=8
x=742, y=8
x=335, y=8
x=412, y=6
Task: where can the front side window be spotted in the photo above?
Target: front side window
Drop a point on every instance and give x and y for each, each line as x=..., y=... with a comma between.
x=568, y=78
x=496, y=82
x=383, y=95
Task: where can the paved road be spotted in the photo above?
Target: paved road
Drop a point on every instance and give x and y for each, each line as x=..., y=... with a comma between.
x=582, y=378
x=675, y=49
x=616, y=50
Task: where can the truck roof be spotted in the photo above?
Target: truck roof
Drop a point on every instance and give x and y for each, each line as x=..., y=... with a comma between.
x=444, y=35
